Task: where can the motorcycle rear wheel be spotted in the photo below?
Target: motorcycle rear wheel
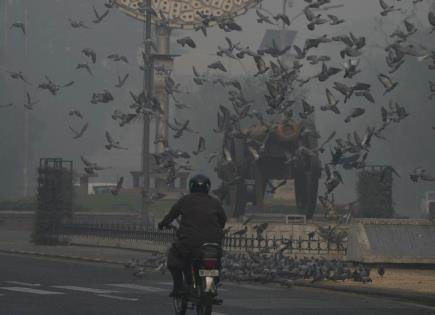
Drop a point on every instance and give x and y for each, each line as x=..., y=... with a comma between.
x=205, y=306
x=180, y=305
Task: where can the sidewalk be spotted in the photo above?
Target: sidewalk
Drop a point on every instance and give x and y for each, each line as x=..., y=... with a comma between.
x=416, y=285
x=17, y=241
x=408, y=284
x=419, y=281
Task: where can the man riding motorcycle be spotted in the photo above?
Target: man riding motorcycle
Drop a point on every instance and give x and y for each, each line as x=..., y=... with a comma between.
x=202, y=221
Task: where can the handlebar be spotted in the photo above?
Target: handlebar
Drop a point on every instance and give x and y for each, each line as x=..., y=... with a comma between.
x=170, y=226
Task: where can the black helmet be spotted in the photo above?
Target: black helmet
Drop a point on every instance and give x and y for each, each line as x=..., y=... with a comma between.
x=199, y=183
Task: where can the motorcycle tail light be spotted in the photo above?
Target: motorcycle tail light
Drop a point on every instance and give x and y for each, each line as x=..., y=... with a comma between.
x=210, y=263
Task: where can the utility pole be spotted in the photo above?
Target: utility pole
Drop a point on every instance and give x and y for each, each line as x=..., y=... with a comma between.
x=136, y=10
x=163, y=33
x=284, y=11
x=26, y=122
x=3, y=49
x=147, y=90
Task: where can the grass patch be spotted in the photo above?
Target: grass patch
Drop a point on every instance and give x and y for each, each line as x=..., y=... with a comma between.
x=128, y=201
x=19, y=204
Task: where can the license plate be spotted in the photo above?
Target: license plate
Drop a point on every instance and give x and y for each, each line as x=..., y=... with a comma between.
x=208, y=273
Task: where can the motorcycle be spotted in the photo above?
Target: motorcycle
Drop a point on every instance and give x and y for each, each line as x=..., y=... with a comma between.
x=205, y=273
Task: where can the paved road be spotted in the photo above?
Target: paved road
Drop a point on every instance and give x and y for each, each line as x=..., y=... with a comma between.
x=31, y=285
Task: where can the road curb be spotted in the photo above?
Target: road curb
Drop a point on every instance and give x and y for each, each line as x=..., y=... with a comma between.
x=120, y=247
x=80, y=258
x=403, y=295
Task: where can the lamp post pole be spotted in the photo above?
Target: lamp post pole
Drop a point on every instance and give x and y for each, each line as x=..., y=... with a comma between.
x=134, y=9
x=163, y=48
x=147, y=89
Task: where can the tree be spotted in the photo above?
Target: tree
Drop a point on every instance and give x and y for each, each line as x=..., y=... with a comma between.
x=375, y=193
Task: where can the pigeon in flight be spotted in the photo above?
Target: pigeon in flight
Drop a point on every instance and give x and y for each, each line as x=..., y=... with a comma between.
x=75, y=112
x=111, y=143
x=19, y=25
x=186, y=41
x=18, y=76
x=115, y=191
x=432, y=89
x=332, y=103
x=88, y=52
x=86, y=67
x=335, y=20
x=388, y=84
x=387, y=8
x=6, y=105
x=354, y=113
x=78, y=24
x=284, y=18
x=91, y=167
x=29, y=104
x=420, y=173
x=217, y=65
x=121, y=81
x=431, y=18
x=102, y=97
x=313, y=19
x=241, y=231
x=273, y=188
x=261, y=66
x=109, y=4
x=263, y=18
x=201, y=146
x=116, y=57
x=98, y=17
x=80, y=133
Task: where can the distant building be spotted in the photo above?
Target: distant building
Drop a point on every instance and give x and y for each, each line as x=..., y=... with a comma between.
x=428, y=205
x=100, y=188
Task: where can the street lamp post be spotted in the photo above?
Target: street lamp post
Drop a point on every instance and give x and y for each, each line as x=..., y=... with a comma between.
x=181, y=14
x=147, y=89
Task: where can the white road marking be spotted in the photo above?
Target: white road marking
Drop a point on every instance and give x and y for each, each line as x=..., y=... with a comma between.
x=216, y=313
x=30, y=290
x=165, y=283
x=118, y=297
x=250, y=287
x=136, y=287
x=83, y=289
x=24, y=283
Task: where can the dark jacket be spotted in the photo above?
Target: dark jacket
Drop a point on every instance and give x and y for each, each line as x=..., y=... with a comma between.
x=202, y=219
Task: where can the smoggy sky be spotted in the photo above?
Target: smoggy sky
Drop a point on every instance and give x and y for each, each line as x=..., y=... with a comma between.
x=52, y=47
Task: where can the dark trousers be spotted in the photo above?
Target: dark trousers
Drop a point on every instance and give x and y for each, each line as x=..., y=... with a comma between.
x=180, y=259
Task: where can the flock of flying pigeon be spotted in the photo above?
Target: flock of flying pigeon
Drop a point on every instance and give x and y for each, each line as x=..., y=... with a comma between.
x=280, y=79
